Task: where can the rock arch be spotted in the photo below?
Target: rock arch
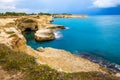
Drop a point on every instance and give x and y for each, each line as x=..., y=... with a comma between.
x=27, y=24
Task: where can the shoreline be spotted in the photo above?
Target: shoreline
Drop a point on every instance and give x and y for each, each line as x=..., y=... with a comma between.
x=114, y=67
x=47, y=56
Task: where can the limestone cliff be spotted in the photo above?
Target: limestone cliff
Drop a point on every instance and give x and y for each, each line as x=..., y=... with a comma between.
x=13, y=38
x=58, y=59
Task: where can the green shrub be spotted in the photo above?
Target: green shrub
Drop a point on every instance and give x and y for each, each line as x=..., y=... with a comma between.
x=17, y=61
x=13, y=14
x=10, y=32
x=13, y=35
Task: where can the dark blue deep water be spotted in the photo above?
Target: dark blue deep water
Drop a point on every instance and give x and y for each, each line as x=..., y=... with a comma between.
x=97, y=35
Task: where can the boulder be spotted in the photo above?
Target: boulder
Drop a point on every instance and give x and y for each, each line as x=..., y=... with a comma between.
x=40, y=49
x=44, y=35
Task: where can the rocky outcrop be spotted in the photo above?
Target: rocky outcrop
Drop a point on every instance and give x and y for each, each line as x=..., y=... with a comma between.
x=27, y=24
x=58, y=59
x=44, y=35
x=47, y=33
x=5, y=21
x=13, y=38
x=63, y=61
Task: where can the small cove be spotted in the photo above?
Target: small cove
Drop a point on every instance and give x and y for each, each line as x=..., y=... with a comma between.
x=97, y=35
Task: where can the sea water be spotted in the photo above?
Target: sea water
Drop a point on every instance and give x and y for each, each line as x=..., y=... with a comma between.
x=96, y=35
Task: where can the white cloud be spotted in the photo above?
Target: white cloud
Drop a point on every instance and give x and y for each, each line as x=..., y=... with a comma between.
x=106, y=3
x=7, y=4
x=10, y=5
x=6, y=1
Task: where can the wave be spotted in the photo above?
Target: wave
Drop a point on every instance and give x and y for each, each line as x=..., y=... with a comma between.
x=67, y=28
x=58, y=34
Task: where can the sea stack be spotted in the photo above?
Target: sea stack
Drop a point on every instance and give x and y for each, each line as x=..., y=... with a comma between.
x=44, y=35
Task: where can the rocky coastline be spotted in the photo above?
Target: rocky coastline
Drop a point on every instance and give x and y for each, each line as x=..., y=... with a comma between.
x=69, y=16
x=11, y=30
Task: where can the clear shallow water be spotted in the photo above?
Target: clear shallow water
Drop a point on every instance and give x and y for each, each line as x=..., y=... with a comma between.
x=98, y=35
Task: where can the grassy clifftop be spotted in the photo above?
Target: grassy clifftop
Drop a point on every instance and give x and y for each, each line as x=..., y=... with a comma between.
x=14, y=62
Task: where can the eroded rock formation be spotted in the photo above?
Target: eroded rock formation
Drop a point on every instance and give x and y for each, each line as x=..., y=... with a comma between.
x=27, y=24
x=58, y=59
x=44, y=35
x=44, y=30
x=13, y=38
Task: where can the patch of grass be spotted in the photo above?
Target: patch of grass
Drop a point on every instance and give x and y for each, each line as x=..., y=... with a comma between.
x=17, y=61
x=13, y=35
x=10, y=32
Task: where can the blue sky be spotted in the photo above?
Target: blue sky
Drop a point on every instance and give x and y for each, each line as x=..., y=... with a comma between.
x=62, y=6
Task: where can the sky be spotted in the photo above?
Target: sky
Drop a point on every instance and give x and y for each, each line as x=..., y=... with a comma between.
x=62, y=6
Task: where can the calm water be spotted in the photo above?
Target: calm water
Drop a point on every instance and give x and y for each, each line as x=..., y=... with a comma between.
x=98, y=35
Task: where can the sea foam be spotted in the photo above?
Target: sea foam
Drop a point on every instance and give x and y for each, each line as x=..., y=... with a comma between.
x=67, y=27
x=58, y=34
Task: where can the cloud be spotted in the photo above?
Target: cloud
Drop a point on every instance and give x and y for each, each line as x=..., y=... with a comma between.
x=11, y=5
x=6, y=1
x=16, y=6
x=7, y=4
x=106, y=3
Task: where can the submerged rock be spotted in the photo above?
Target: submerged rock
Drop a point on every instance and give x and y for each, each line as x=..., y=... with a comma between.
x=44, y=35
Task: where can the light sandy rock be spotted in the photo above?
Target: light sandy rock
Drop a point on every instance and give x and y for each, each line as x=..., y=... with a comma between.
x=117, y=75
x=68, y=62
x=40, y=49
x=63, y=61
x=4, y=21
x=13, y=38
x=44, y=35
x=27, y=23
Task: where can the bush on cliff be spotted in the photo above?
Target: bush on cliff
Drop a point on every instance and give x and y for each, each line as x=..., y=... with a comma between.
x=13, y=14
x=16, y=61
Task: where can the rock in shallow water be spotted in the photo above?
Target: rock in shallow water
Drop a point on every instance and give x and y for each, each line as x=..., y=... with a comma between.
x=44, y=35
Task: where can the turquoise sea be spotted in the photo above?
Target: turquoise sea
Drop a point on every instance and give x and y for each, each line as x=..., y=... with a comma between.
x=99, y=36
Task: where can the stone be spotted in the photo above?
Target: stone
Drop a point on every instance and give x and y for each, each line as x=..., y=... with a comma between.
x=44, y=35
x=117, y=75
x=40, y=49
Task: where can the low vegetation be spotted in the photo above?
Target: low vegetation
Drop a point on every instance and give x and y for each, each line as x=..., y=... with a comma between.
x=44, y=13
x=14, y=62
x=24, y=14
x=13, y=14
